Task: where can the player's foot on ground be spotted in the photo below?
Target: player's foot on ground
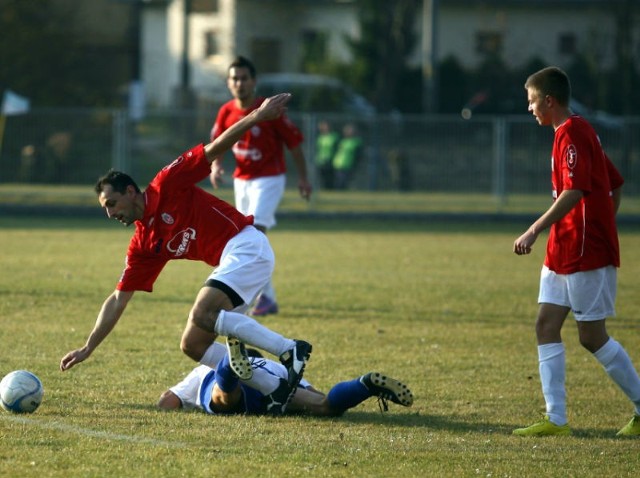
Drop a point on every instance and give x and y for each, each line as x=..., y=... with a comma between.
x=543, y=428
x=238, y=359
x=265, y=306
x=631, y=429
x=386, y=388
x=294, y=361
x=276, y=402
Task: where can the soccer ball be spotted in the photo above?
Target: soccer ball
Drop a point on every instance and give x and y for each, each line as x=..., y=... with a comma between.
x=21, y=392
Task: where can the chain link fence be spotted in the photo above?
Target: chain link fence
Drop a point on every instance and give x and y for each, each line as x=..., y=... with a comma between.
x=494, y=155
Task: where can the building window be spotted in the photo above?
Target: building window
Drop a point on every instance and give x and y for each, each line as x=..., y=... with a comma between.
x=567, y=44
x=211, y=43
x=204, y=6
x=488, y=43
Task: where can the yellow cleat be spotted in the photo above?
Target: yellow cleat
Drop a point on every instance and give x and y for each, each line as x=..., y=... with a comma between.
x=631, y=429
x=543, y=428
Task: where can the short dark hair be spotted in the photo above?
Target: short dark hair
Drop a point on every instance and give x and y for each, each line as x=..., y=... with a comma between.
x=551, y=81
x=242, y=62
x=118, y=180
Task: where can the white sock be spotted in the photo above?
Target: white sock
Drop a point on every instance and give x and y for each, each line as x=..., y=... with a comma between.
x=616, y=362
x=551, y=358
x=213, y=354
x=251, y=332
x=263, y=381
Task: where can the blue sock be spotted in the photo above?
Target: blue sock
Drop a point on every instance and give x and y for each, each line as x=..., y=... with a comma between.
x=345, y=395
x=226, y=378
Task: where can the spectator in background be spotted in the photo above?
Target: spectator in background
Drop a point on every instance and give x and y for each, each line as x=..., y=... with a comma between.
x=326, y=146
x=259, y=176
x=347, y=156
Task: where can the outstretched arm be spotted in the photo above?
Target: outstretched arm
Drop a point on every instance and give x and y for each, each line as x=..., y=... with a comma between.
x=111, y=311
x=270, y=109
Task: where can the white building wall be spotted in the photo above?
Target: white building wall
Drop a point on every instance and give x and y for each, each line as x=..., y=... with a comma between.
x=158, y=70
x=527, y=32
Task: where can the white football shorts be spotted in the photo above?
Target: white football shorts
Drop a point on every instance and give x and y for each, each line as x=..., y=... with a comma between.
x=246, y=264
x=260, y=198
x=591, y=295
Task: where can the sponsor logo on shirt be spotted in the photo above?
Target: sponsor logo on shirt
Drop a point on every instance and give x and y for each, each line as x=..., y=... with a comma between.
x=179, y=244
x=253, y=154
x=167, y=218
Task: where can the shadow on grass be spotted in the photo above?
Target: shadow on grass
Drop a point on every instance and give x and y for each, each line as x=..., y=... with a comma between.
x=401, y=419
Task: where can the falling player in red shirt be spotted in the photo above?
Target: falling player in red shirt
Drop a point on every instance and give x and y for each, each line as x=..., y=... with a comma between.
x=259, y=175
x=175, y=219
x=580, y=268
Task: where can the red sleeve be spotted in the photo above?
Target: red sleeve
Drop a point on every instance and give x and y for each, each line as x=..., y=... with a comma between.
x=140, y=273
x=188, y=169
x=290, y=134
x=575, y=161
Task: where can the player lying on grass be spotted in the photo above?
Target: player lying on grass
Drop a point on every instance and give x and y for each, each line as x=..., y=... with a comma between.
x=175, y=219
x=220, y=391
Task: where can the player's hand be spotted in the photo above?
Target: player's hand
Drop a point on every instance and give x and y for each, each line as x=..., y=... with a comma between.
x=74, y=357
x=273, y=106
x=305, y=189
x=216, y=173
x=524, y=243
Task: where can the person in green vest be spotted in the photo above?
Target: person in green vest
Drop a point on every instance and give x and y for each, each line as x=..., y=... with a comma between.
x=347, y=156
x=326, y=146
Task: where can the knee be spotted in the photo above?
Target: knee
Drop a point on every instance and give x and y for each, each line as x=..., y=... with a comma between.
x=203, y=318
x=191, y=349
x=592, y=343
x=592, y=335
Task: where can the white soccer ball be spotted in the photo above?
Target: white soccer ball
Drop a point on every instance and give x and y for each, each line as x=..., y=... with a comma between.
x=21, y=392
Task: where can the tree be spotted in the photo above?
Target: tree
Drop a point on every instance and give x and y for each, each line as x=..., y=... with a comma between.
x=386, y=39
x=42, y=60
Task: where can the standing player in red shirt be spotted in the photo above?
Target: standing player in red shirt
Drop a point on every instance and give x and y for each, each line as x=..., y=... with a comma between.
x=259, y=176
x=175, y=219
x=580, y=268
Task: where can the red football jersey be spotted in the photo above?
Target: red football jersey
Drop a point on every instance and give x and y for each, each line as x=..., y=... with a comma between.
x=181, y=221
x=260, y=151
x=586, y=238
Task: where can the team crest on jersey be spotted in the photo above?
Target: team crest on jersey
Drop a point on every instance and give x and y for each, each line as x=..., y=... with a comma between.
x=255, y=131
x=167, y=218
x=572, y=156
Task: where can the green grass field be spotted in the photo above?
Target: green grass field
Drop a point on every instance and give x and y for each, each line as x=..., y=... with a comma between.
x=447, y=308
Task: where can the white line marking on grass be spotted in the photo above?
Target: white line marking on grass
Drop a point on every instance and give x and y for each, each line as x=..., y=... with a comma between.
x=94, y=433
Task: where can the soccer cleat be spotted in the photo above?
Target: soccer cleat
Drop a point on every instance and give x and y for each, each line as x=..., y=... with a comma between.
x=238, y=359
x=276, y=402
x=386, y=388
x=631, y=429
x=294, y=361
x=543, y=428
x=265, y=306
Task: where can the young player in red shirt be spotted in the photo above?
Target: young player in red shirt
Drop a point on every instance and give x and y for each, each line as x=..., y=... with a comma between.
x=175, y=219
x=259, y=175
x=580, y=267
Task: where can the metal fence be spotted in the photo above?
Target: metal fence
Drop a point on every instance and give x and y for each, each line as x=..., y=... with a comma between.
x=492, y=155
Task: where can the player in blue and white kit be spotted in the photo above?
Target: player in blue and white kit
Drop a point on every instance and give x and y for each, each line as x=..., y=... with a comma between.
x=220, y=391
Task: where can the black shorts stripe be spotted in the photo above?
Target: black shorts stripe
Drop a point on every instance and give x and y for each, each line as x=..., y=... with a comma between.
x=236, y=300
